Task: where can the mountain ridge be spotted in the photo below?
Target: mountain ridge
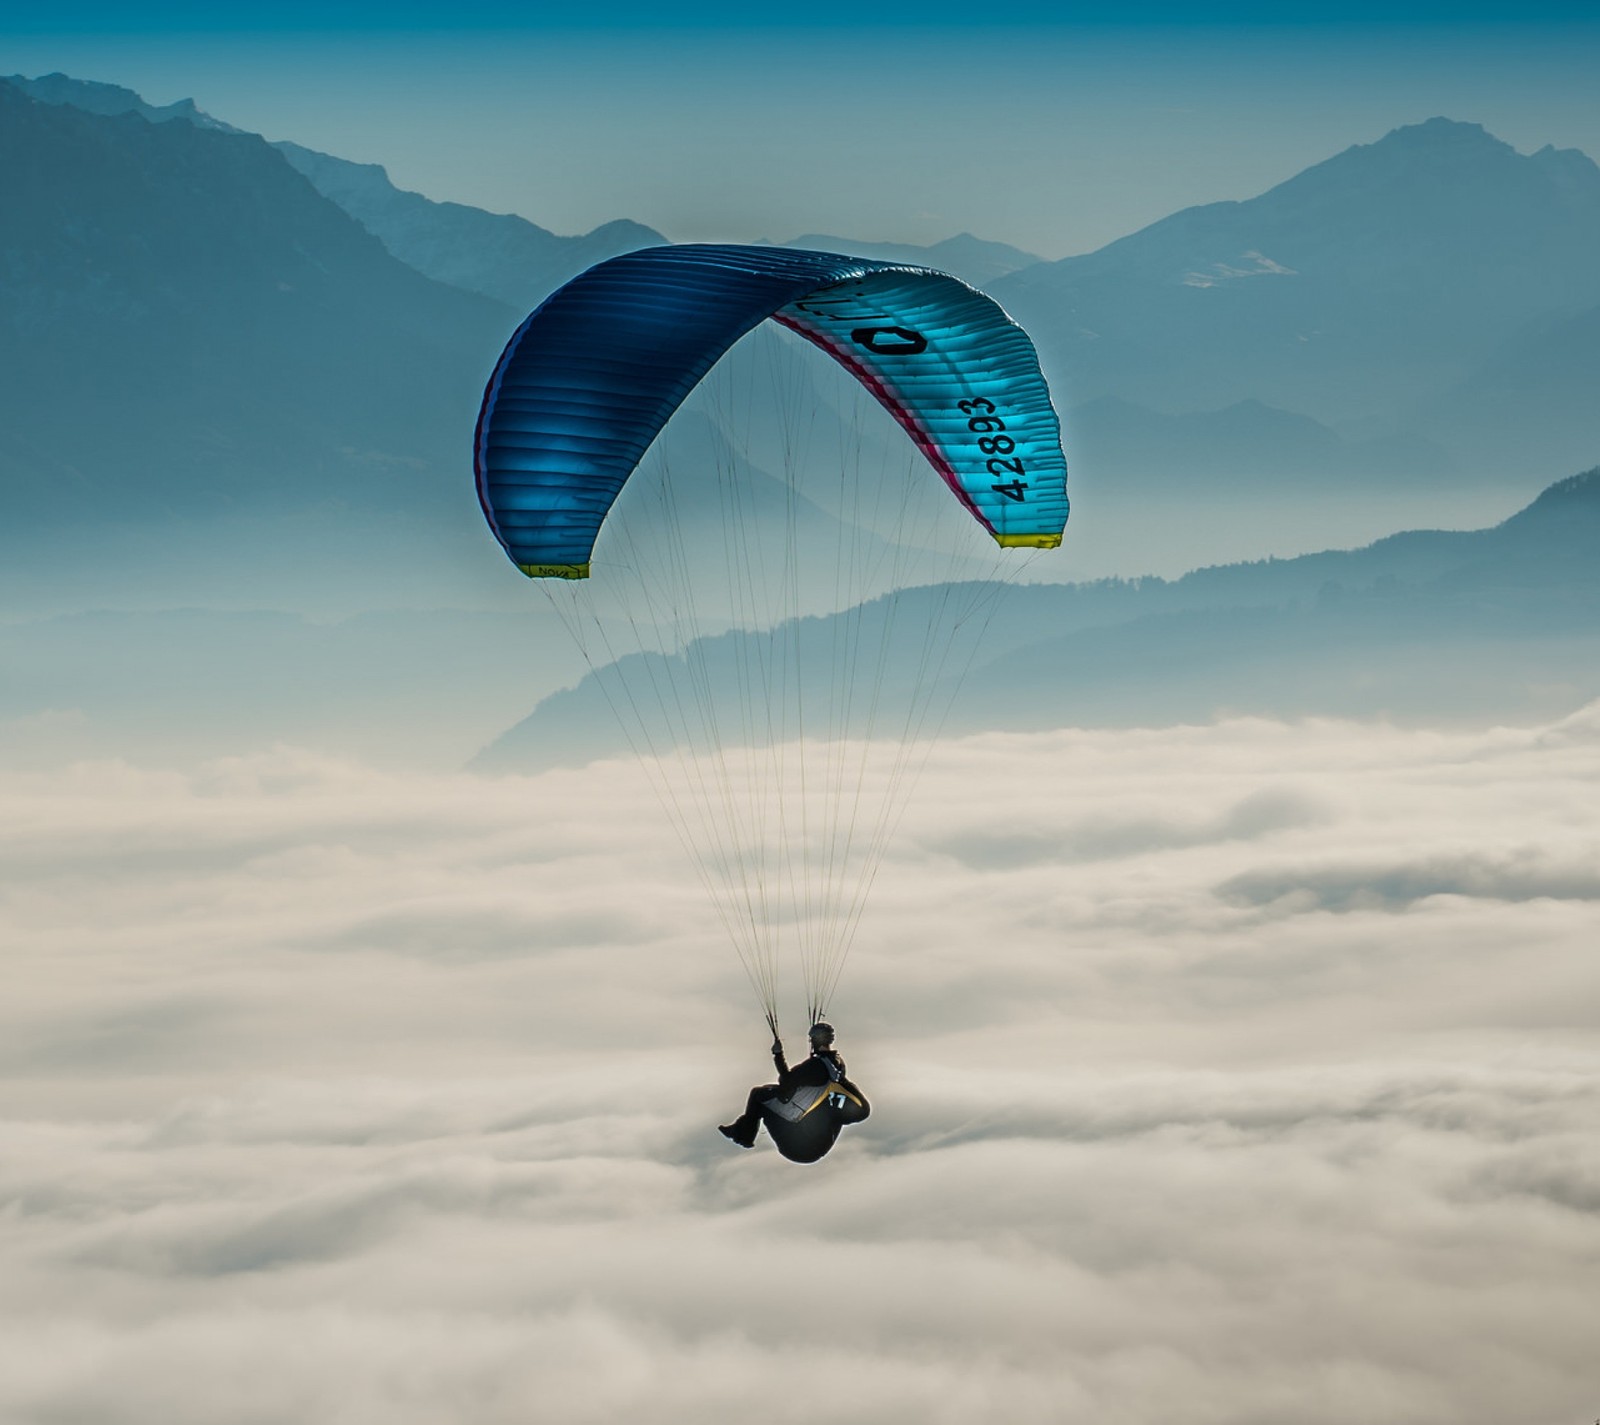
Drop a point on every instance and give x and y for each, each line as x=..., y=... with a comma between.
x=97, y=97
x=498, y=255
x=188, y=325
x=1246, y=637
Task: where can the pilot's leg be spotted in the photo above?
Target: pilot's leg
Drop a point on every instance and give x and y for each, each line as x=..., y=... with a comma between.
x=743, y=1129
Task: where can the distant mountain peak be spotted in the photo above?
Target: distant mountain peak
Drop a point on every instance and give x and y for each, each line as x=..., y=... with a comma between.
x=1439, y=131
x=1436, y=145
x=619, y=229
x=1369, y=288
x=1571, y=167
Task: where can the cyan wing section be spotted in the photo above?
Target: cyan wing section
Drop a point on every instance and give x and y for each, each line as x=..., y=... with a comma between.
x=964, y=381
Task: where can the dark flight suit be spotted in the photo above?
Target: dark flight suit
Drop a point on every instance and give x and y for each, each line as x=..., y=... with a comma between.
x=823, y=1068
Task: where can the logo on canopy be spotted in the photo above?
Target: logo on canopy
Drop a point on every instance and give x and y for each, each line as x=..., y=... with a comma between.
x=890, y=341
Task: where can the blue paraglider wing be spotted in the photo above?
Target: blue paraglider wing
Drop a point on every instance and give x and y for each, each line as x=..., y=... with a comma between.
x=586, y=383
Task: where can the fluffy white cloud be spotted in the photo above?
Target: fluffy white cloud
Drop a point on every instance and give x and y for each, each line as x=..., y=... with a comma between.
x=1234, y=1074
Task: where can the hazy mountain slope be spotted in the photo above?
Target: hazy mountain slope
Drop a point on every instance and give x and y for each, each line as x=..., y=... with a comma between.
x=1248, y=446
x=1355, y=289
x=186, y=324
x=1537, y=394
x=1496, y=622
x=1501, y=623
x=497, y=254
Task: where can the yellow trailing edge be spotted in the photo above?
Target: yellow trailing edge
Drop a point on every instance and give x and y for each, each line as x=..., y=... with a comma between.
x=1028, y=541
x=555, y=571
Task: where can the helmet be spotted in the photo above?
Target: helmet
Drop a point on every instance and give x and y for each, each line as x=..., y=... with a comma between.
x=821, y=1033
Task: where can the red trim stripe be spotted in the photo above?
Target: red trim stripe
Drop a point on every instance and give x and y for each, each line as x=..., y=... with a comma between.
x=890, y=399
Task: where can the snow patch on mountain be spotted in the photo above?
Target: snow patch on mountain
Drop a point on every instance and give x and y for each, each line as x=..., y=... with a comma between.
x=1256, y=265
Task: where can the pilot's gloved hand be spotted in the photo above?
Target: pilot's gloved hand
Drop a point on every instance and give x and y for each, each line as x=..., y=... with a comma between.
x=777, y=1048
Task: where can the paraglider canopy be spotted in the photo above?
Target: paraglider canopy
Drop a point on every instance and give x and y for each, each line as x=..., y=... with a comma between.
x=589, y=379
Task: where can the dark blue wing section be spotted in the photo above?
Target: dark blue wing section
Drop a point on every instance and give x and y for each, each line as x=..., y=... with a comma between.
x=587, y=382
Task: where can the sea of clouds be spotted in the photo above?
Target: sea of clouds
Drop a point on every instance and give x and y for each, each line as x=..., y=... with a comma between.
x=1238, y=1075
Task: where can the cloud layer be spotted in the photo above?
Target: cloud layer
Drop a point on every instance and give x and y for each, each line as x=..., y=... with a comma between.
x=1231, y=1074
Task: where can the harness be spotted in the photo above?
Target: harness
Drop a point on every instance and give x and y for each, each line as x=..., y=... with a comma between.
x=805, y=1099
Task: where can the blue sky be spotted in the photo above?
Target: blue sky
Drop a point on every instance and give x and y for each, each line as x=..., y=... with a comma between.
x=205, y=15
x=727, y=125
